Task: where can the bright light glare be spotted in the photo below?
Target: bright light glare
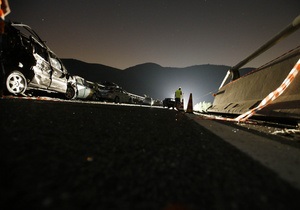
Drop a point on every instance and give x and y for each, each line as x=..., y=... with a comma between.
x=202, y=106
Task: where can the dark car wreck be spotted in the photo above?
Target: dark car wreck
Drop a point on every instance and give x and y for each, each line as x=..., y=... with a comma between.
x=169, y=102
x=29, y=64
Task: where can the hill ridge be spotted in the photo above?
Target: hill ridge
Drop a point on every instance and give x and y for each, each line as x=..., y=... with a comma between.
x=154, y=80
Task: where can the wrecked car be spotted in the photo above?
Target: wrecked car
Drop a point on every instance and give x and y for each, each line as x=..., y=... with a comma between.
x=85, y=89
x=116, y=94
x=148, y=101
x=169, y=102
x=29, y=64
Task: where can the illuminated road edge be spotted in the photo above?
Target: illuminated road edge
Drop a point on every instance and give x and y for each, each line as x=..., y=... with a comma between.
x=280, y=158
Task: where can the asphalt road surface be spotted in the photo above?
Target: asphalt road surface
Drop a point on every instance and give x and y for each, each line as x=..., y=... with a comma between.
x=65, y=155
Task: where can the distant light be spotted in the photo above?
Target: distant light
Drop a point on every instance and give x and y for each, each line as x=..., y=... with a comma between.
x=89, y=159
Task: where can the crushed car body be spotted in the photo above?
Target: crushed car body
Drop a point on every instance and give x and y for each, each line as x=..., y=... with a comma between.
x=29, y=64
x=85, y=89
x=148, y=101
x=169, y=102
x=113, y=93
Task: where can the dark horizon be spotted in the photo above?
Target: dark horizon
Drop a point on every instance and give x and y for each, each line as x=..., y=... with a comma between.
x=156, y=81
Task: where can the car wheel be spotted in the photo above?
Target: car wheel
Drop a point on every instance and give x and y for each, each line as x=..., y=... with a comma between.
x=95, y=97
x=117, y=99
x=16, y=83
x=70, y=93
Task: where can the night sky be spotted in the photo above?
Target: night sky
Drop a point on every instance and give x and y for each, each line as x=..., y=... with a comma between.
x=171, y=33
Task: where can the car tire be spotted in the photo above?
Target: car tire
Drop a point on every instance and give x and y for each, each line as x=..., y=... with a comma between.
x=95, y=97
x=130, y=101
x=16, y=83
x=70, y=92
x=117, y=99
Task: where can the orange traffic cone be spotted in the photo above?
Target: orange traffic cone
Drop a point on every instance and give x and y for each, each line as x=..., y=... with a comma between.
x=189, y=108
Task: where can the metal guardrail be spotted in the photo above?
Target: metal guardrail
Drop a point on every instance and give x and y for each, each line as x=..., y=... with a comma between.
x=234, y=71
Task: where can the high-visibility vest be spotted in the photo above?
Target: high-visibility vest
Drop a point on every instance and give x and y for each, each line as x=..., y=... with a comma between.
x=178, y=93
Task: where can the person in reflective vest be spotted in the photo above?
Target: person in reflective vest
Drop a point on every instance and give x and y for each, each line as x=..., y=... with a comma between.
x=178, y=96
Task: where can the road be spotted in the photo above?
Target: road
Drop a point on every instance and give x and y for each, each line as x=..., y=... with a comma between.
x=67, y=155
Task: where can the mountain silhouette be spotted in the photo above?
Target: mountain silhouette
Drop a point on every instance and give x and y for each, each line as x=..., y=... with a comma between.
x=154, y=80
